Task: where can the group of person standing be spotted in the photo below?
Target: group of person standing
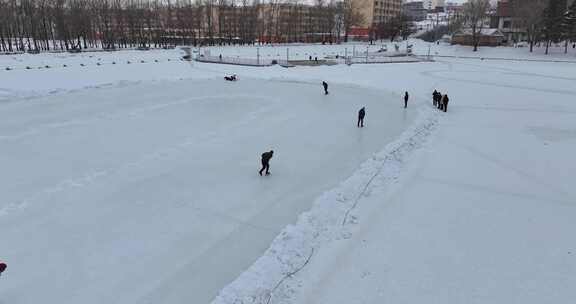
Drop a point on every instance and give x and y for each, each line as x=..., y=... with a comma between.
x=440, y=101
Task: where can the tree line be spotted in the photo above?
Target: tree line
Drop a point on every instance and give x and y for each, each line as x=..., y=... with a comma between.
x=542, y=21
x=546, y=21
x=73, y=25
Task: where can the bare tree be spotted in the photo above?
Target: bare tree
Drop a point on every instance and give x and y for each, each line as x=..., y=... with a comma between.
x=475, y=12
x=351, y=16
x=528, y=15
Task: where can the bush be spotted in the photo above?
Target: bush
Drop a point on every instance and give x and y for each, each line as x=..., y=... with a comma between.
x=435, y=34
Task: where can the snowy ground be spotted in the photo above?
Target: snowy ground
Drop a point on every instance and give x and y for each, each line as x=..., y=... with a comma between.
x=136, y=183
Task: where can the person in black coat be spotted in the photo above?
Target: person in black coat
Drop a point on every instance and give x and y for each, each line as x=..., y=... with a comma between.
x=435, y=98
x=266, y=156
x=406, y=96
x=2, y=267
x=361, y=115
x=325, y=85
x=440, y=101
x=445, y=100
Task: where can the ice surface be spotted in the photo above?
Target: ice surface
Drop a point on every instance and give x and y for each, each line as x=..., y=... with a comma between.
x=137, y=183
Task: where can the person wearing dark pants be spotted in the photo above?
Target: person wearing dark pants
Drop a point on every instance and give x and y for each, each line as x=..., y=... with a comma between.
x=361, y=115
x=440, y=97
x=266, y=156
x=325, y=85
x=445, y=100
x=406, y=96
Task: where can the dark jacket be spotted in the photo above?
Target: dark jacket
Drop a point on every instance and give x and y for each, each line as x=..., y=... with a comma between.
x=325, y=85
x=267, y=156
x=445, y=99
x=406, y=96
x=362, y=113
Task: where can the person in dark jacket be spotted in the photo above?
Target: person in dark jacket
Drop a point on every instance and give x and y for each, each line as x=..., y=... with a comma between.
x=406, y=96
x=325, y=85
x=445, y=100
x=435, y=98
x=231, y=78
x=2, y=267
x=266, y=156
x=440, y=101
x=361, y=115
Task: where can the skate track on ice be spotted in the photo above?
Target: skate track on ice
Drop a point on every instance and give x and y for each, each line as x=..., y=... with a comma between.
x=149, y=193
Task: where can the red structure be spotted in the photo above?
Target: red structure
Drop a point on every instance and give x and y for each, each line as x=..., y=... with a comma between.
x=360, y=33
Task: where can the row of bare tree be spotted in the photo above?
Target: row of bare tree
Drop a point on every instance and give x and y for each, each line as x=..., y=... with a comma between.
x=542, y=21
x=43, y=25
x=546, y=21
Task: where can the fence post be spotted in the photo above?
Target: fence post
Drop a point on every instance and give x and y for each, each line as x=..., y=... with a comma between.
x=287, y=55
x=258, y=56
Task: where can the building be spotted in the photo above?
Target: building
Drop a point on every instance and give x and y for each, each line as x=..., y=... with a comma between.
x=374, y=12
x=377, y=11
x=454, y=8
x=505, y=21
x=431, y=5
x=414, y=10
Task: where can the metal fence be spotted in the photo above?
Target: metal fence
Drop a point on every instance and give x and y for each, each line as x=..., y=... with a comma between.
x=260, y=62
x=382, y=59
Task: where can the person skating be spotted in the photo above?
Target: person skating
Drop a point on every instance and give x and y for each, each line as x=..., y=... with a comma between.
x=406, y=96
x=445, y=100
x=435, y=98
x=266, y=156
x=2, y=267
x=361, y=115
x=325, y=85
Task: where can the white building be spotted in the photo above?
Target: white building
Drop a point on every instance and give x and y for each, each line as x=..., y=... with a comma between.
x=432, y=4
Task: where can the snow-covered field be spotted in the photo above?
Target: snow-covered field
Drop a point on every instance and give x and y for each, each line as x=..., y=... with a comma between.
x=137, y=183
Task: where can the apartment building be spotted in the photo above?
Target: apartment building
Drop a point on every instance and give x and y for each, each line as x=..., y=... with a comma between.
x=377, y=11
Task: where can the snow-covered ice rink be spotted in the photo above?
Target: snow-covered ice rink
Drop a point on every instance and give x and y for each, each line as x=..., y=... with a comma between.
x=138, y=183
x=154, y=189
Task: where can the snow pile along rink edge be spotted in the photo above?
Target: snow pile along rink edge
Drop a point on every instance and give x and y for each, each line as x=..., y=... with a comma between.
x=268, y=279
